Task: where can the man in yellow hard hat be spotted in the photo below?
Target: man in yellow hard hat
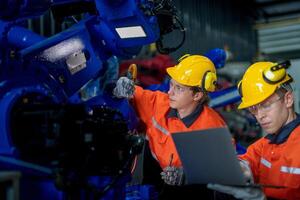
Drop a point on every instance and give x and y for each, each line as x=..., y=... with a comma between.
x=183, y=108
x=274, y=159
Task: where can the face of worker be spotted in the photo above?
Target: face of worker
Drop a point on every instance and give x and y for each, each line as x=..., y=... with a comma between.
x=274, y=112
x=182, y=96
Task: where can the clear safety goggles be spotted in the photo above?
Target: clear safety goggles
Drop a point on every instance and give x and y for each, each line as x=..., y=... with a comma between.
x=177, y=89
x=264, y=106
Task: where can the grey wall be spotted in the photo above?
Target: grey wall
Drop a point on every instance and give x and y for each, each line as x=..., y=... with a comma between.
x=215, y=23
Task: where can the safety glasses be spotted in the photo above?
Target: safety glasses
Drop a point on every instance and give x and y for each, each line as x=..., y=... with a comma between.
x=177, y=89
x=264, y=107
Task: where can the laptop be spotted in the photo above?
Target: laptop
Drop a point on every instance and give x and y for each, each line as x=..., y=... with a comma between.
x=208, y=156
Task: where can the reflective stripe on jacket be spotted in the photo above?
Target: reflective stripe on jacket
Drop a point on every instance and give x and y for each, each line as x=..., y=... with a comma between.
x=153, y=108
x=277, y=164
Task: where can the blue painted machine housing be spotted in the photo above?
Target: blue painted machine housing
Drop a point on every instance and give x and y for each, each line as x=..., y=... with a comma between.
x=41, y=77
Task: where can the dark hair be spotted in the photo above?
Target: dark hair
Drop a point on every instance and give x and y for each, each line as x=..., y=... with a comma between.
x=284, y=88
x=205, y=98
x=196, y=89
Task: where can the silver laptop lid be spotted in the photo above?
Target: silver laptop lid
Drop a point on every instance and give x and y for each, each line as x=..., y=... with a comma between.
x=208, y=156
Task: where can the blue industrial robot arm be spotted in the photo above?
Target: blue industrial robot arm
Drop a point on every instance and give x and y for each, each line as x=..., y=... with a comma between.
x=75, y=56
x=39, y=75
x=41, y=129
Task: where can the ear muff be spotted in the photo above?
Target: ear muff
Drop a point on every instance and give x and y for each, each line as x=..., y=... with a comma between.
x=209, y=81
x=275, y=74
x=240, y=88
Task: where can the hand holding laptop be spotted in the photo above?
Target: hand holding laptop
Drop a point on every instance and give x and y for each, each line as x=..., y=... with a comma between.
x=246, y=171
x=245, y=193
x=211, y=151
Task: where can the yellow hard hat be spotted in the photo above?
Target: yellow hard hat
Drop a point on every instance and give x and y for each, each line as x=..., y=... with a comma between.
x=260, y=81
x=195, y=70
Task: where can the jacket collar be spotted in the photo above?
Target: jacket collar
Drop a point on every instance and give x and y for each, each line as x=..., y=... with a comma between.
x=188, y=120
x=284, y=132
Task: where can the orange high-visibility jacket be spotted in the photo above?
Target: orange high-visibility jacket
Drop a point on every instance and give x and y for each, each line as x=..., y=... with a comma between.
x=153, y=108
x=277, y=164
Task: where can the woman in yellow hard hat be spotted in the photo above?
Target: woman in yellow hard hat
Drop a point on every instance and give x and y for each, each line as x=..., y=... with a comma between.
x=274, y=159
x=183, y=108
